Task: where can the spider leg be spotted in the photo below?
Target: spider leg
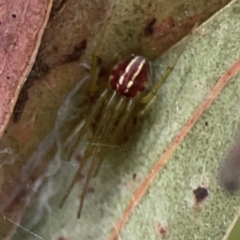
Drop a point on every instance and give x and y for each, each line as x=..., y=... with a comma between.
x=146, y=108
x=95, y=68
x=150, y=97
x=91, y=149
x=125, y=106
x=77, y=133
x=76, y=177
x=73, y=139
x=118, y=106
x=102, y=125
x=89, y=175
x=75, y=136
x=147, y=98
x=119, y=109
x=128, y=111
x=102, y=132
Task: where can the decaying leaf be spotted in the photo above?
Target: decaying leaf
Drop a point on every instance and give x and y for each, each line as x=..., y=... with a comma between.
x=22, y=24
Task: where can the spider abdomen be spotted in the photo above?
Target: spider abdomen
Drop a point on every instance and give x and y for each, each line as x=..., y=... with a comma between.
x=130, y=77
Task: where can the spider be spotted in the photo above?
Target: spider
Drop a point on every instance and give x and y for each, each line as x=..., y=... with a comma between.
x=129, y=94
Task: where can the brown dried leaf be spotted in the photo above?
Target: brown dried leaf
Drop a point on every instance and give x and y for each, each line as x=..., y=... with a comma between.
x=21, y=27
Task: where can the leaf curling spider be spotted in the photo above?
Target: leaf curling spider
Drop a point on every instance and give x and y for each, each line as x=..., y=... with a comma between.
x=129, y=94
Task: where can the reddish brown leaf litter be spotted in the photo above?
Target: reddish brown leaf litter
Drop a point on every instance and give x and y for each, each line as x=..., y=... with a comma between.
x=21, y=27
x=213, y=94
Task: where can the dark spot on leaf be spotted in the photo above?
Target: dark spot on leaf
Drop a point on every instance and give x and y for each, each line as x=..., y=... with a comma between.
x=90, y=190
x=99, y=60
x=200, y=194
x=134, y=176
x=55, y=48
x=77, y=51
x=162, y=229
x=148, y=30
x=135, y=121
x=206, y=123
x=62, y=238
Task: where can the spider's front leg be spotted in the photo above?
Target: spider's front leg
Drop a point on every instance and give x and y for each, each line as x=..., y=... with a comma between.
x=94, y=74
x=95, y=61
x=150, y=97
